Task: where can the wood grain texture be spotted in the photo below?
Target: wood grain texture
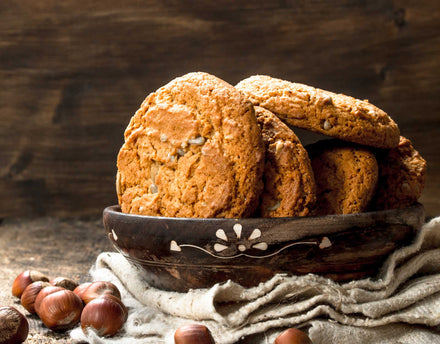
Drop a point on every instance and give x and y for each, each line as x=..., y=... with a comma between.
x=72, y=73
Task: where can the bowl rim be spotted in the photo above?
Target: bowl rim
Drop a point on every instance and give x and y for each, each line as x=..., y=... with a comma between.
x=277, y=227
x=116, y=210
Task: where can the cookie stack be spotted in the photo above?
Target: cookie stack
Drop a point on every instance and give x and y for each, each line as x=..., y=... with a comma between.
x=200, y=147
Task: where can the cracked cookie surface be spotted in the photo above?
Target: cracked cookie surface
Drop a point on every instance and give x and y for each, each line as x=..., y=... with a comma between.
x=336, y=115
x=346, y=176
x=402, y=173
x=193, y=149
x=289, y=186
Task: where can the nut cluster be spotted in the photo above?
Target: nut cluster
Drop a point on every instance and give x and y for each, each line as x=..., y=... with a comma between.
x=62, y=303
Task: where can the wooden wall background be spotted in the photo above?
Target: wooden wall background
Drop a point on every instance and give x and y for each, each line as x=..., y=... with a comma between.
x=73, y=72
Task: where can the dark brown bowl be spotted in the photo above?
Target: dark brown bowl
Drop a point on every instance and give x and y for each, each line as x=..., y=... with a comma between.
x=184, y=253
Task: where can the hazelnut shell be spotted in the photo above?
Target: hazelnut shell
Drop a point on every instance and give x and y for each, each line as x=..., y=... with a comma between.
x=99, y=288
x=79, y=290
x=61, y=310
x=42, y=294
x=293, y=336
x=30, y=294
x=106, y=314
x=14, y=327
x=193, y=334
x=64, y=282
x=24, y=279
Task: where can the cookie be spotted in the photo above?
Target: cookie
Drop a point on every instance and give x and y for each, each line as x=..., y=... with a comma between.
x=328, y=113
x=193, y=149
x=289, y=186
x=346, y=176
x=402, y=173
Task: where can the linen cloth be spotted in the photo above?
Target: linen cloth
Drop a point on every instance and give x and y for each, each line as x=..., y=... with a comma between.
x=401, y=305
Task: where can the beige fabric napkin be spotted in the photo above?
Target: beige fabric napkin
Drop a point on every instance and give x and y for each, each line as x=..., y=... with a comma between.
x=402, y=306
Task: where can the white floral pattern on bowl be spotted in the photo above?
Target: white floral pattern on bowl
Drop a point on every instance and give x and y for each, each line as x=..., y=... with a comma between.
x=234, y=242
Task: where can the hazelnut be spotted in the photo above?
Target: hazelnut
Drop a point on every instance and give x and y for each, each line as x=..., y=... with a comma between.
x=24, y=279
x=99, y=288
x=64, y=282
x=106, y=314
x=193, y=334
x=293, y=336
x=42, y=294
x=60, y=310
x=30, y=294
x=79, y=290
x=14, y=327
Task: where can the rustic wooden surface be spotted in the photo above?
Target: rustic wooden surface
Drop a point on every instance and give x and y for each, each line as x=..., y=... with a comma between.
x=73, y=72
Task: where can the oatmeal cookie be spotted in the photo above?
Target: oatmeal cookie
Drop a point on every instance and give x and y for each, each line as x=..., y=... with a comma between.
x=346, y=176
x=402, y=173
x=336, y=115
x=193, y=149
x=289, y=186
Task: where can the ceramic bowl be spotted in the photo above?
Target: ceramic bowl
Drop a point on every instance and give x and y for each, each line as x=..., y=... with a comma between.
x=186, y=253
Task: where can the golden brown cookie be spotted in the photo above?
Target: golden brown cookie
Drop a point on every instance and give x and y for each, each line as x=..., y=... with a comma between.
x=402, y=173
x=328, y=113
x=346, y=176
x=193, y=149
x=289, y=186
